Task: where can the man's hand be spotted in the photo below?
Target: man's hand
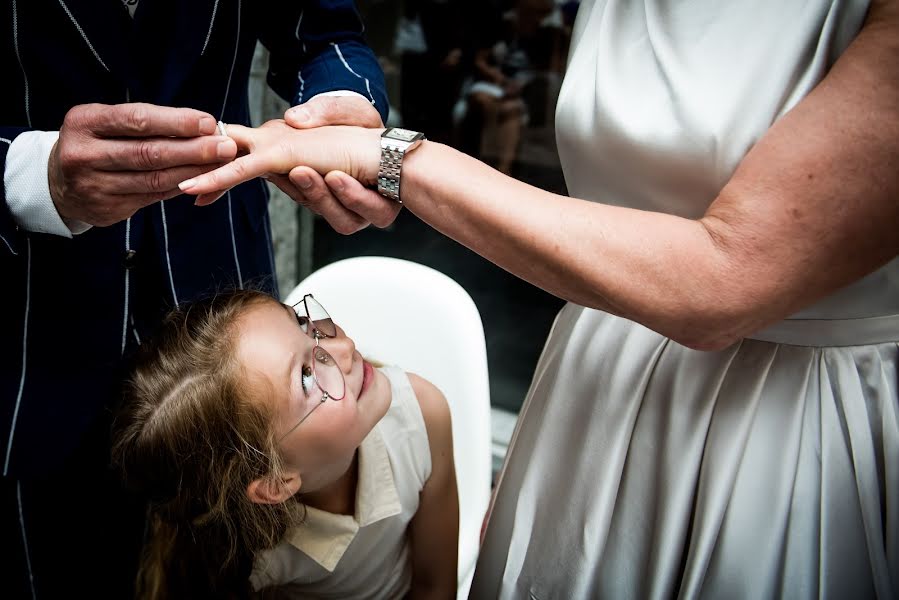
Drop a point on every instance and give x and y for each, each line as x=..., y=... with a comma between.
x=334, y=110
x=111, y=161
x=309, y=189
x=346, y=205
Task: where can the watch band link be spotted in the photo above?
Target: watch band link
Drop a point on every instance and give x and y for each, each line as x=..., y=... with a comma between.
x=389, y=172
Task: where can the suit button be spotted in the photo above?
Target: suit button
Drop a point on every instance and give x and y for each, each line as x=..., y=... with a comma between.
x=130, y=259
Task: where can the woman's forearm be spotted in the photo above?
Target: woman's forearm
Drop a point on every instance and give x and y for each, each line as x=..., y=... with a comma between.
x=660, y=270
x=810, y=209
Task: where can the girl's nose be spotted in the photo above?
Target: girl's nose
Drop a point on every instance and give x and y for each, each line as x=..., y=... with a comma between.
x=342, y=348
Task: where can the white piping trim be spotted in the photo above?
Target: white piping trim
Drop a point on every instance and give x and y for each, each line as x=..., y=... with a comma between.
x=6, y=140
x=271, y=244
x=83, y=35
x=15, y=414
x=14, y=253
x=168, y=259
x=15, y=38
x=134, y=330
x=25, y=539
x=224, y=103
x=347, y=65
x=302, y=87
x=234, y=242
x=233, y=62
x=127, y=284
x=215, y=8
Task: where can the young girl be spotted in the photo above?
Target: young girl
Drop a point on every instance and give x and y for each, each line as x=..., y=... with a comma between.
x=279, y=462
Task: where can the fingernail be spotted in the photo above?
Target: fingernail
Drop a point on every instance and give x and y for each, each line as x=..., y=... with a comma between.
x=304, y=181
x=207, y=125
x=224, y=149
x=337, y=184
x=299, y=115
x=186, y=185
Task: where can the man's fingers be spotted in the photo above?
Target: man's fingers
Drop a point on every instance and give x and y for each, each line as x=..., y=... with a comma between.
x=319, y=199
x=360, y=200
x=150, y=154
x=227, y=176
x=333, y=110
x=144, y=182
x=138, y=119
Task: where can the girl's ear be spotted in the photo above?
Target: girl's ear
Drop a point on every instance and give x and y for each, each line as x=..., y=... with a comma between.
x=267, y=490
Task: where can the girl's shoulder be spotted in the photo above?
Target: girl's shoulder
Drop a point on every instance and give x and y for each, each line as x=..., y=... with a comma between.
x=436, y=414
x=431, y=401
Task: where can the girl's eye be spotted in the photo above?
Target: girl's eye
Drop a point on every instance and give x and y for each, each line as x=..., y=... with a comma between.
x=303, y=322
x=308, y=379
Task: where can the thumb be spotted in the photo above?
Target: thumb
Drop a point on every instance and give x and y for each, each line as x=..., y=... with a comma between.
x=333, y=110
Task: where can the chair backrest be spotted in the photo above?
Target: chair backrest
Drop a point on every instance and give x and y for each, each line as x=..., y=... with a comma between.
x=410, y=315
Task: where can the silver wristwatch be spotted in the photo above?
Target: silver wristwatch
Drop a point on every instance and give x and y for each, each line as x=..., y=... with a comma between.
x=395, y=144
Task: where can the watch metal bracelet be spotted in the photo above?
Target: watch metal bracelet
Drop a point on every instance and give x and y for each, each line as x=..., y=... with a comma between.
x=389, y=172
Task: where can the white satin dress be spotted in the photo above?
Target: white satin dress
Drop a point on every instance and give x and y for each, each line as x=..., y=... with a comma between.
x=643, y=469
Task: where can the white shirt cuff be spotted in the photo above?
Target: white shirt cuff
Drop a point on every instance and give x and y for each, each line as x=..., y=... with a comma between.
x=337, y=93
x=28, y=189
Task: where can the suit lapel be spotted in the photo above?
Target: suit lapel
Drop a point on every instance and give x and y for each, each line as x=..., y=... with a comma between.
x=106, y=28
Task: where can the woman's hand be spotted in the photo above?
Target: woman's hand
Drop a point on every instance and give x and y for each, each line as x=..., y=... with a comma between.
x=276, y=148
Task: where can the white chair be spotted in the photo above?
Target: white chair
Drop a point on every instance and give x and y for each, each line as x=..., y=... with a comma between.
x=404, y=313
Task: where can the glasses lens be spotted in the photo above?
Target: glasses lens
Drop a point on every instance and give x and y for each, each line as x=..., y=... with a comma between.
x=321, y=320
x=328, y=374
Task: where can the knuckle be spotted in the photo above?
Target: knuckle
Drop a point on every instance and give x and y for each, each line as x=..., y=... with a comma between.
x=69, y=156
x=138, y=118
x=147, y=154
x=212, y=179
x=154, y=181
x=239, y=169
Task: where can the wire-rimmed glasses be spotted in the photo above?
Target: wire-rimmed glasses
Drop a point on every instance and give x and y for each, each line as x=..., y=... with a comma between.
x=323, y=372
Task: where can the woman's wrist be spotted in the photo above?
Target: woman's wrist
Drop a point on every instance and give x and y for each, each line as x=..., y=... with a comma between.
x=370, y=156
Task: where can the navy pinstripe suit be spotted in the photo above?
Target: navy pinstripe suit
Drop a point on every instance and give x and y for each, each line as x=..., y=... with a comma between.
x=72, y=308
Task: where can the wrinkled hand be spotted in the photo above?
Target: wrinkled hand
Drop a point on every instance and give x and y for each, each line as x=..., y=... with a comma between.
x=334, y=110
x=346, y=205
x=111, y=161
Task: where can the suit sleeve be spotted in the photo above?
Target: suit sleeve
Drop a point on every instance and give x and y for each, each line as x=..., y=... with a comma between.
x=320, y=47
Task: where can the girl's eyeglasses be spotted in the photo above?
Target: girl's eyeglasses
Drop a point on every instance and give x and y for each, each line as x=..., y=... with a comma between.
x=324, y=372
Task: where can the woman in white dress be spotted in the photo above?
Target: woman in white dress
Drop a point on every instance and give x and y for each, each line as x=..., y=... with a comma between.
x=715, y=412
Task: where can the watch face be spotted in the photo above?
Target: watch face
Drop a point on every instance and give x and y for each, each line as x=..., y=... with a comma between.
x=398, y=133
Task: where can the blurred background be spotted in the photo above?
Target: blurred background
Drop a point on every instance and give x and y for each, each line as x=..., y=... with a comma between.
x=482, y=76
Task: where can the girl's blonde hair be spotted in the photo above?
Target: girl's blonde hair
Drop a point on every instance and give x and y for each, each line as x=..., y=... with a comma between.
x=191, y=438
